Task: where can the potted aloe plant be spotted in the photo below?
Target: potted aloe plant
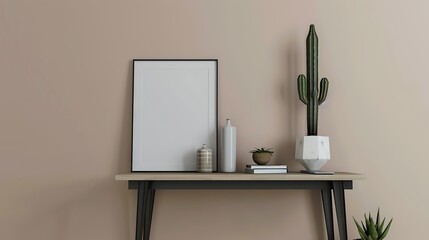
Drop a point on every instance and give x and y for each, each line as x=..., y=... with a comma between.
x=312, y=151
x=262, y=156
x=370, y=230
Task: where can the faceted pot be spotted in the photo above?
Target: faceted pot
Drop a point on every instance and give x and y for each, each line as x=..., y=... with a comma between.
x=261, y=158
x=312, y=151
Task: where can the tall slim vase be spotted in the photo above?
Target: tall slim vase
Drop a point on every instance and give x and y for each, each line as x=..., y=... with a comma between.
x=228, y=157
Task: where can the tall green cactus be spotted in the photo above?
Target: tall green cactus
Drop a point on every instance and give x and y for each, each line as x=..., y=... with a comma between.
x=307, y=87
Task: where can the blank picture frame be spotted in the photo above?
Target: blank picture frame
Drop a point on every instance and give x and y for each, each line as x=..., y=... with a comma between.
x=175, y=112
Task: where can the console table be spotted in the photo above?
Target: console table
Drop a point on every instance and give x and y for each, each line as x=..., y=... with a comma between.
x=147, y=183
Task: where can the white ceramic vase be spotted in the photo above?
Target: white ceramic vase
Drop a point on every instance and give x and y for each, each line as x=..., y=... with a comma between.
x=312, y=151
x=228, y=157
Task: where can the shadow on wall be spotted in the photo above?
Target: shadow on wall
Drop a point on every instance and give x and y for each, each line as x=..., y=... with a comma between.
x=124, y=143
x=124, y=158
x=289, y=95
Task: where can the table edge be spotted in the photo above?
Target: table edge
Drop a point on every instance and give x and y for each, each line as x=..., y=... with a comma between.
x=340, y=176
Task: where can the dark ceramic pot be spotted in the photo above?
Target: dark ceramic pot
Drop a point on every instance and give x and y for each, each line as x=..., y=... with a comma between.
x=261, y=158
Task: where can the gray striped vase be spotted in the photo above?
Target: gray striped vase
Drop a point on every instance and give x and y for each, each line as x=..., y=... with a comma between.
x=204, y=160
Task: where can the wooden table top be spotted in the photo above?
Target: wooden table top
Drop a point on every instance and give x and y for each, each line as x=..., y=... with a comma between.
x=193, y=176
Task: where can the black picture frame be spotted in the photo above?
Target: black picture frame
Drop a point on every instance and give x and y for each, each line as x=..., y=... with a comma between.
x=189, y=159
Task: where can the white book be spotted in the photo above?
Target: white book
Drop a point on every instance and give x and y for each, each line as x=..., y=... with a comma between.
x=254, y=166
x=272, y=170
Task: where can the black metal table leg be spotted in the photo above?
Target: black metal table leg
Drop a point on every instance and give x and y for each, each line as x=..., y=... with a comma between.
x=148, y=212
x=340, y=207
x=141, y=194
x=327, y=209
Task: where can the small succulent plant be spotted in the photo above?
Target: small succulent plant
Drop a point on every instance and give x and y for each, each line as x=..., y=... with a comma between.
x=263, y=150
x=371, y=230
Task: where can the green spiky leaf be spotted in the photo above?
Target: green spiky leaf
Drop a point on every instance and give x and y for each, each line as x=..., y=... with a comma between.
x=364, y=226
x=372, y=230
x=378, y=217
x=386, y=230
x=360, y=229
x=366, y=220
x=262, y=150
x=381, y=227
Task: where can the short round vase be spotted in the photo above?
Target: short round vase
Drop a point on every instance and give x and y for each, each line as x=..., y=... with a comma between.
x=261, y=158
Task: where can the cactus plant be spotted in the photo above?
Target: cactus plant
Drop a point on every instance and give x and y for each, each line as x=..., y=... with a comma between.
x=371, y=230
x=307, y=86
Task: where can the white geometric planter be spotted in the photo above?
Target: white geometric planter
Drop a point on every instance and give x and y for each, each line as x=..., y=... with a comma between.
x=312, y=151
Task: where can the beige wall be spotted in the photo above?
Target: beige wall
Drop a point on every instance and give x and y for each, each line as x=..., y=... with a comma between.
x=65, y=107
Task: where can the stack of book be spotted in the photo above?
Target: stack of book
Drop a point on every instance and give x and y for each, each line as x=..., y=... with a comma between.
x=266, y=169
